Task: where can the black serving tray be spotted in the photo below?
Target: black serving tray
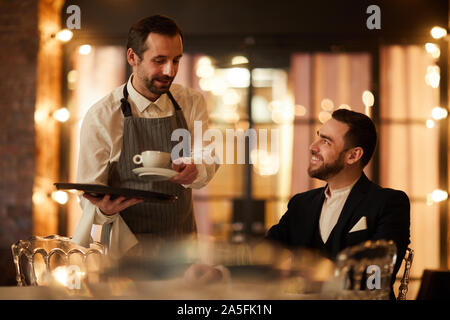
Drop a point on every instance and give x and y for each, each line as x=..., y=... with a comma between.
x=98, y=190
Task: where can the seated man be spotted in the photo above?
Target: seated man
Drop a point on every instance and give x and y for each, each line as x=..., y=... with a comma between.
x=350, y=209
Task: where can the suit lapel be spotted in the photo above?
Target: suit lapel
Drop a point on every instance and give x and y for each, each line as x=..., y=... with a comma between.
x=357, y=194
x=306, y=224
x=315, y=209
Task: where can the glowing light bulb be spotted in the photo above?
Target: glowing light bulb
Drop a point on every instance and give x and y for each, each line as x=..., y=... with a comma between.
x=439, y=113
x=204, y=61
x=324, y=116
x=327, y=105
x=430, y=124
x=40, y=115
x=85, y=49
x=60, y=196
x=439, y=195
x=61, y=115
x=238, y=77
x=432, y=77
x=64, y=35
x=38, y=197
x=300, y=110
x=433, y=49
x=438, y=32
x=72, y=76
x=368, y=98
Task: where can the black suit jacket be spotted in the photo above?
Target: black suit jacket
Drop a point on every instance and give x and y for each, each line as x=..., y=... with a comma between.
x=387, y=212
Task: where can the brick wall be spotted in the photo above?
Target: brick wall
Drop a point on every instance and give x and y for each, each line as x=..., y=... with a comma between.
x=20, y=41
x=30, y=67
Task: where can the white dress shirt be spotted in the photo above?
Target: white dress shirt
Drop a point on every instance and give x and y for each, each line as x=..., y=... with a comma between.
x=101, y=143
x=332, y=208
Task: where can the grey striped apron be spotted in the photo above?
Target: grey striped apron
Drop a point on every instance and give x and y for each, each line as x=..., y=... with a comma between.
x=150, y=220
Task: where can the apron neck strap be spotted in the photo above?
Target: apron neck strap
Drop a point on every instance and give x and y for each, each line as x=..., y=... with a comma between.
x=125, y=105
x=175, y=103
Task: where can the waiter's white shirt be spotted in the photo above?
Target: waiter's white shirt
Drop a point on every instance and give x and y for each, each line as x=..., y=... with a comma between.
x=332, y=208
x=101, y=143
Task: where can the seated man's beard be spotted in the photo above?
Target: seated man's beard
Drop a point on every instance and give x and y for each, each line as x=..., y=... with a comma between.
x=328, y=170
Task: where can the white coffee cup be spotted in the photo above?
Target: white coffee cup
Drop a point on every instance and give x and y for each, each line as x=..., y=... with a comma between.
x=153, y=159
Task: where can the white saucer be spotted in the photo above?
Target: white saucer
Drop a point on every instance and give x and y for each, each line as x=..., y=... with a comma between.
x=155, y=174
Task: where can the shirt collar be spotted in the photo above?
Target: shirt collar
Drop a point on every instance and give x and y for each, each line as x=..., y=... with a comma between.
x=342, y=191
x=142, y=102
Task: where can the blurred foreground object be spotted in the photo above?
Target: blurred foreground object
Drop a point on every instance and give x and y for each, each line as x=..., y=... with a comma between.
x=364, y=271
x=199, y=269
x=56, y=261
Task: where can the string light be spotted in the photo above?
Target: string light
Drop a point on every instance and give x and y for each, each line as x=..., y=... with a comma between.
x=60, y=196
x=205, y=60
x=324, y=116
x=327, y=104
x=300, y=110
x=433, y=49
x=238, y=77
x=430, y=124
x=64, y=35
x=40, y=116
x=205, y=71
x=85, y=49
x=432, y=77
x=439, y=195
x=39, y=197
x=438, y=32
x=368, y=98
x=439, y=113
x=61, y=115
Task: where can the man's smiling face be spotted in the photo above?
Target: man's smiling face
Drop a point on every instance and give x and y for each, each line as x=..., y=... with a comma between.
x=328, y=151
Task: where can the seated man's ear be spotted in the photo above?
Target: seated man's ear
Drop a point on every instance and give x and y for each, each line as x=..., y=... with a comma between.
x=354, y=155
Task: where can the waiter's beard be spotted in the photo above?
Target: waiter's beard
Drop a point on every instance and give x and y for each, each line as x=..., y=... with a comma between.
x=158, y=88
x=328, y=170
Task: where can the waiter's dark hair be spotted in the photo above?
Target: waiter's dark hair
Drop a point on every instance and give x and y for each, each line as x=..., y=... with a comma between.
x=361, y=132
x=139, y=32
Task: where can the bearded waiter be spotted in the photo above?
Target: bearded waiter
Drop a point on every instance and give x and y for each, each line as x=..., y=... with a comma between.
x=141, y=115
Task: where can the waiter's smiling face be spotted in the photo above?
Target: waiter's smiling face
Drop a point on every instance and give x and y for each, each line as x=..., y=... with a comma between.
x=155, y=70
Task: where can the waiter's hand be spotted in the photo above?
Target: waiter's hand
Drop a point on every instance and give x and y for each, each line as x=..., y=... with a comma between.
x=187, y=172
x=110, y=207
